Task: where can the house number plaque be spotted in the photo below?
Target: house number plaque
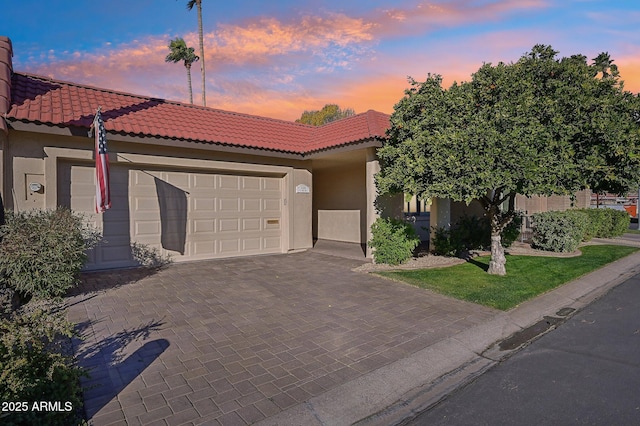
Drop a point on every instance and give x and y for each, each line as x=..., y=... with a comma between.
x=302, y=189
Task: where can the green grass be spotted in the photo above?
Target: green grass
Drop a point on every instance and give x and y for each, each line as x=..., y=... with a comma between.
x=632, y=231
x=527, y=276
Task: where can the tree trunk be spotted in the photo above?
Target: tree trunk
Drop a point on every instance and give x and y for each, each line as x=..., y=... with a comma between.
x=204, y=97
x=189, y=82
x=491, y=204
x=498, y=260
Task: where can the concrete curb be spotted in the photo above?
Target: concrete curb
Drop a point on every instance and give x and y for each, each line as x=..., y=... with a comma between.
x=398, y=391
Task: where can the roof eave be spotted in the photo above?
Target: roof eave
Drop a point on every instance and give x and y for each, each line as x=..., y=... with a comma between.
x=45, y=128
x=374, y=142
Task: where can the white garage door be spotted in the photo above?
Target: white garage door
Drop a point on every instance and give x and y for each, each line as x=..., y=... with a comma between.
x=188, y=215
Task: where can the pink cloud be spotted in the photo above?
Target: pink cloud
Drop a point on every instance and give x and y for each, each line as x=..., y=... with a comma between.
x=126, y=67
x=427, y=16
x=265, y=37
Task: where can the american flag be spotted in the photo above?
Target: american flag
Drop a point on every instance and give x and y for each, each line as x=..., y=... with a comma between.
x=103, y=194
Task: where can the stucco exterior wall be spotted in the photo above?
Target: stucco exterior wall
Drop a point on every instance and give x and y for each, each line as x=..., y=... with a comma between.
x=303, y=212
x=340, y=193
x=537, y=204
x=529, y=205
x=340, y=225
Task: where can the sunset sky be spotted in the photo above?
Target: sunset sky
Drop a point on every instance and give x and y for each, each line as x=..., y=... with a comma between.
x=279, y=58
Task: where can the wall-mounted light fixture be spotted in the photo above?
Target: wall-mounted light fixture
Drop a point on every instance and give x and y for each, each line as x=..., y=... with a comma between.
x=36, y=187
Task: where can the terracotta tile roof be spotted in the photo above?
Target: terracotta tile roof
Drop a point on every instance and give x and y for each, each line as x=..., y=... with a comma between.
x=39, y=99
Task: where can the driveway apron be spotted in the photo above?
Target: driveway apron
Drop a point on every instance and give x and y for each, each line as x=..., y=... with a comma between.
x=236, y=341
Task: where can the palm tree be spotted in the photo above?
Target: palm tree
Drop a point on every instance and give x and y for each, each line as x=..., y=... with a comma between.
x=604, y=64
x=180, y=52
x=190, y=5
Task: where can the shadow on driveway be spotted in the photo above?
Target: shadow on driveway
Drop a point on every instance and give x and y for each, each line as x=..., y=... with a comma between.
x=110, y=369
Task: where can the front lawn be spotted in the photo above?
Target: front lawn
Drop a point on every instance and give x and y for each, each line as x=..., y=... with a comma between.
x=527, y=276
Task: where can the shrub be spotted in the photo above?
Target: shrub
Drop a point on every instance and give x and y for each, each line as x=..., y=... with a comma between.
x=43, y=251
x=559, y=231
x=393, y=241
x=472, y=233
x=34, y=368
x=444, y=242
x=620, y=221
x=597, y=219
x=606, y=223
x=9, y=301
x=148, y=256
x=600, y=221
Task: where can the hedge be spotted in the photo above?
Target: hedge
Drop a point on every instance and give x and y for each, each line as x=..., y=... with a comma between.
x=563, y=231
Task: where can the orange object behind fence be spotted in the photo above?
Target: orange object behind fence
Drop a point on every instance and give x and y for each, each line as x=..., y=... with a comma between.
x=631, y=209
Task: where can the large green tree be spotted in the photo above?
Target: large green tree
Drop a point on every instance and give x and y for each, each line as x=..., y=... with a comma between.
x=539, y=126
x=328, y=113
x=180, y=52
x=198, y=4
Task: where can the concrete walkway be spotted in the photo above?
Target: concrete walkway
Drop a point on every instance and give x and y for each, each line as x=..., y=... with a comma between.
x=294, y=339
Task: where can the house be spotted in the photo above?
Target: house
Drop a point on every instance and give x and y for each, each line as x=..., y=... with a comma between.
x=196, y=182
x=191, y=181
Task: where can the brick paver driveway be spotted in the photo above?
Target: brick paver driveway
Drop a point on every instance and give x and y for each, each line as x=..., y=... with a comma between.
x=235, y=341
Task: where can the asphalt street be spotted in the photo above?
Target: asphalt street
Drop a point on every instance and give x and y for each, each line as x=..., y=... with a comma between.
x=586, y=371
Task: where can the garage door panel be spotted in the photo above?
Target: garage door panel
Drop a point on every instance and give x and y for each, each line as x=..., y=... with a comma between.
x=199, y=215
x=228, y=225
x=143, y=179
x=203, y=249
x=251, y=244
x=207, y=205
x=204, y=181
x=251, y=205
x=271, y=184
x=271, y=205
x=204, y=226
x=251, y=183
x=251, y=224
x=229, y=205
x=178, y=179
x=228, y=182
x=229, y=246
x=271, y=243
x=148, y=204
x=143, y=228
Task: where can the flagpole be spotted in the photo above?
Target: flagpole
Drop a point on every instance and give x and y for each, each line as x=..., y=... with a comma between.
x=91, y=128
